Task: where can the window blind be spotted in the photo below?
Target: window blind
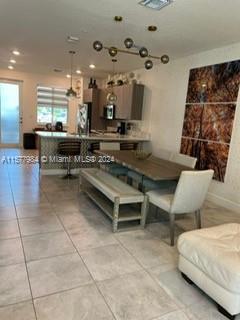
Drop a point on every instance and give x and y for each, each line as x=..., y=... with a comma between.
x=53, y=97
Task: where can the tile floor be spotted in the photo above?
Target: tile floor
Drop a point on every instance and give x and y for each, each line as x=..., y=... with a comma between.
x=60, y=260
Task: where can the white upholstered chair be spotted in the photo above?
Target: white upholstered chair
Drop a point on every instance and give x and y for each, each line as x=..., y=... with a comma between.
x=189, y=196
x=183, y=159
x=113, y=168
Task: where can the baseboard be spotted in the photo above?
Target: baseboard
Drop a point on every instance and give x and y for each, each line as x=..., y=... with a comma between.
x=228, y=204
x=58, y=171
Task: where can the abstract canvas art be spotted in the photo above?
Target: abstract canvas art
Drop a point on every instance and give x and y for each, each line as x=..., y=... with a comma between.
x=209, y=115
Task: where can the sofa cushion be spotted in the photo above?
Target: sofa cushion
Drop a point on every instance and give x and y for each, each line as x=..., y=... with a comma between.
x=216, y=252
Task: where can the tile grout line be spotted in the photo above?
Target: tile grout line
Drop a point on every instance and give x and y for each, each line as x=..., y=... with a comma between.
x=94, y=282
x=25, y=261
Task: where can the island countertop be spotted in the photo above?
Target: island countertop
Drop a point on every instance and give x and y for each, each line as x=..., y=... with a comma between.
x=92, y=136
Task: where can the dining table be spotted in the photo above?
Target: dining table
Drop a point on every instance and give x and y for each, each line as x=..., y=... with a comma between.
x=152, y=167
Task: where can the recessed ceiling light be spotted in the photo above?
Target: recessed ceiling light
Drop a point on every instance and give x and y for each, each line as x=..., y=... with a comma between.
x=155, y=4
x=16, y=52
x=57, y=70
x=72, y=39
x=118, y=18
x=68, y=76
x=12, y=61
x=10, y=67
x=78, y=71
x=92, y=66
x=152, y=28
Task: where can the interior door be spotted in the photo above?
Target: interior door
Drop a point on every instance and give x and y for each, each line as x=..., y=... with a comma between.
x=10, y=114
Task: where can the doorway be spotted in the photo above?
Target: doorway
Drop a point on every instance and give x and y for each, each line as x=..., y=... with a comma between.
x=10, y=113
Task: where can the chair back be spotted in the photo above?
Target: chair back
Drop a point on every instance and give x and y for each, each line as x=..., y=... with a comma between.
x=69, y=148
x=191, y=191
x=109, y=146
x=183, y=159
x=164, y=154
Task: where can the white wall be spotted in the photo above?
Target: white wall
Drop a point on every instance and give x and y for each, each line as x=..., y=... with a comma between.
x=29, y=96
x=166, y=89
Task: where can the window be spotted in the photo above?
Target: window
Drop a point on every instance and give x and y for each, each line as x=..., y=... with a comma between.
x=52, y=105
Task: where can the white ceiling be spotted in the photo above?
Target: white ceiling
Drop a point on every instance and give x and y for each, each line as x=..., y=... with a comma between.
x=39, y=28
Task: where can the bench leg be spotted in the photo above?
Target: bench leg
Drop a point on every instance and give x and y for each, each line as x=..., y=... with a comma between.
x=144, y=211
x=225, y=313
x=115, y=214
x=189, y=281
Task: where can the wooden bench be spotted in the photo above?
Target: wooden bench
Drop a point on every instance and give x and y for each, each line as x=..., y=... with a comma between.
x=117, y=199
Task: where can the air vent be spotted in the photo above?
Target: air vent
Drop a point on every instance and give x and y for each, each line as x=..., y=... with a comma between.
x=57, y=70
x=155, y=4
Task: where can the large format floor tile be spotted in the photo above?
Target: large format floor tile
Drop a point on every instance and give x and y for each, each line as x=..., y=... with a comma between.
x=11, y=252
x=136, y=296
x=76, y=222
x=109, y=262
x=20, y=311
x=175, y=315
x=54, y=197
x=122, y=289
x=56, y=274
x=20, y=199
x=7, y=213
x=33, y=210
x=147, y=249
x=47, y=245
x=205, y=309
x=171, y=280
x=43, y=224
x=9, y=229
x=14, y=285
x=67, y=206
x=84, y=303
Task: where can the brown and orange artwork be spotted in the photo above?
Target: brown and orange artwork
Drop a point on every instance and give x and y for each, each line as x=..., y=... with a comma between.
x=209, y=115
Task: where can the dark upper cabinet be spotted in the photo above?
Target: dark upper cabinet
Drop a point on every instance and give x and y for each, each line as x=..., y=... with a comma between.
x=129, y=101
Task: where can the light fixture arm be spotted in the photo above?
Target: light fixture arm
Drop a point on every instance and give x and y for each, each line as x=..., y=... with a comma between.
x=132, y=52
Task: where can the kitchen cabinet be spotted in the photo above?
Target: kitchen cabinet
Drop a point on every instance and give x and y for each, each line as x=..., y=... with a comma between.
x=129, y=101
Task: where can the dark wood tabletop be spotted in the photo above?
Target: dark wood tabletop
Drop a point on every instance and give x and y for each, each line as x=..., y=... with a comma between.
x=154, y=168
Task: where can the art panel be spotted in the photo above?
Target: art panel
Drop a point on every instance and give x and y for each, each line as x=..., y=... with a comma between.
x=209, y=115
x=210, y=155
x=216, y=83
x=212, y=122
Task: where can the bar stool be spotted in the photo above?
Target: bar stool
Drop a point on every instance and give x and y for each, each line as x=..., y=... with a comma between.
x=69, y=149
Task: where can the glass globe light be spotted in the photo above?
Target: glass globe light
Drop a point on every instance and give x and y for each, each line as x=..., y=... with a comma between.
x=165, y=59
x=112, y=51
x=97, y=45
x=148, y=64
x=128, y=43
x=111, y=98
x=143, y=52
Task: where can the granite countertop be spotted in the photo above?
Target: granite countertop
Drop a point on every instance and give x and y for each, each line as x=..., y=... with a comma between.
x=95, y=137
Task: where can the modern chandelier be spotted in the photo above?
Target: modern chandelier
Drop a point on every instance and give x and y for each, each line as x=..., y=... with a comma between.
x=129, y=45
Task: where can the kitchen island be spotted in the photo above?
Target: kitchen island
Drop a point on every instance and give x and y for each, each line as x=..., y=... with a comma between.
x=49, y=162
